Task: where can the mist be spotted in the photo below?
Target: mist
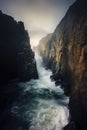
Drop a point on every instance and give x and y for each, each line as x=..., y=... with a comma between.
x=40, y=16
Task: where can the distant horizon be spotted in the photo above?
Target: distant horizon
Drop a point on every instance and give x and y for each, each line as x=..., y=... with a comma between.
x=40, y=17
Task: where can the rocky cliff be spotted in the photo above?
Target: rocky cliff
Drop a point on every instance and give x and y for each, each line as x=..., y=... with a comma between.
x=66, y=55
x=41, y=48
x=16, y=57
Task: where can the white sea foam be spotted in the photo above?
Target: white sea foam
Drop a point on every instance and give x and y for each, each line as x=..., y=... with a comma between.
x=47, y=110
x=49, y=116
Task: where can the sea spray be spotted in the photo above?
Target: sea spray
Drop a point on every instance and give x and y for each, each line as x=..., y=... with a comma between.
x=42, y=104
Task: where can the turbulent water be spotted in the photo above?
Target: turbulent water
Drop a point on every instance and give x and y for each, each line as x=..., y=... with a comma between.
x=41, y=105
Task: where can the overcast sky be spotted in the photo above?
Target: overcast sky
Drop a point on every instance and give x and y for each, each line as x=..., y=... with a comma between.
x=40, y=16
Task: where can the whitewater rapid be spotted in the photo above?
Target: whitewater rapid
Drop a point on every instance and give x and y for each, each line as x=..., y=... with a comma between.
x=42, y=105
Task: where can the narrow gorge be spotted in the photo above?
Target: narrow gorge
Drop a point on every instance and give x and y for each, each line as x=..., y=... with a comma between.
x=29, y=100
x=44, y=88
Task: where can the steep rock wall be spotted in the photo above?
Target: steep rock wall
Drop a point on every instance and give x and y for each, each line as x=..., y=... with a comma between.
x=16, y=57
x=66, y=55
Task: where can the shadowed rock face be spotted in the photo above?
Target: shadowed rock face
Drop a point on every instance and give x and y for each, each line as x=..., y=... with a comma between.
x=66, y=55
x=16, y=57
x=16, y=62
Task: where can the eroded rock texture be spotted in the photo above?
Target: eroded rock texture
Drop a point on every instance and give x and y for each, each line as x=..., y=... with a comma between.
x=16, y=57
x=66, y=55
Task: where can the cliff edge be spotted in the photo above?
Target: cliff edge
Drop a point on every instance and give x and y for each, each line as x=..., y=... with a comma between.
x=16, y=57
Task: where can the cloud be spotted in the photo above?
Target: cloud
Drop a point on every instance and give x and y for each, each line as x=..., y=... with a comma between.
x=40, y=16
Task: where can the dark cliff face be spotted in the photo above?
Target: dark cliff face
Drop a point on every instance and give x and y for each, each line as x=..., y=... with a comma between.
x=16, y=57
x=66, y=55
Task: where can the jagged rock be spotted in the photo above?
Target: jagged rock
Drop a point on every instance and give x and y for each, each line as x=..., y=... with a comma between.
x=66, y=55
x=16, y=57
x=17, y=63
